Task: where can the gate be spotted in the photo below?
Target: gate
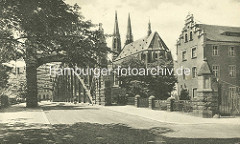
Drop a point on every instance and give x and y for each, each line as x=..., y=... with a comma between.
x=230, y=101
x=143, y=102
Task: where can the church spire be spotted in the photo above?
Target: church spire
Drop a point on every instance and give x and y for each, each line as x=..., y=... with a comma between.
x=116, y=29
x=116, y=41
x=129, y=32
x=149, y=28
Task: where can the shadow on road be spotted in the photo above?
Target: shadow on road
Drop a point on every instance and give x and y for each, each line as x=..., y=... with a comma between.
x=25, y=134
x=93, y=133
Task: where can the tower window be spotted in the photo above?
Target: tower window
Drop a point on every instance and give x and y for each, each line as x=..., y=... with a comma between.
x=143, y=56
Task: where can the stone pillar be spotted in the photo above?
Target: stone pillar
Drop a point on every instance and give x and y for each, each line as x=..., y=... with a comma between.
x=205, y=103
x=137, y=97
x=170, y=102
x=151, y=102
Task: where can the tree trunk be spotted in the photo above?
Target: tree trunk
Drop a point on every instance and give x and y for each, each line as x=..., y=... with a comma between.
x=31, y=75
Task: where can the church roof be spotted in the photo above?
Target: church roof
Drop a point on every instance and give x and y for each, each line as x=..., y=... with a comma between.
x=221, y=33
x=142, y=45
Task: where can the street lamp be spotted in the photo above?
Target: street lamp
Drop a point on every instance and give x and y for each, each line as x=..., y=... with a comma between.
x=219, y=97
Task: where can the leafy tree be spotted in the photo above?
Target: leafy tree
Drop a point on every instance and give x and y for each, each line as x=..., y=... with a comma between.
x=44, y=31
x=184, y=95
x=159, y=85
x=162, y=84
x=134, y=84
x=22, y=91
x=138, y=88
x=3, y=77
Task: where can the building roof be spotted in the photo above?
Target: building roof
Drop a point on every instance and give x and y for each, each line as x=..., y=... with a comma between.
x=141, y=45
x=204, y=69
x=221, y=33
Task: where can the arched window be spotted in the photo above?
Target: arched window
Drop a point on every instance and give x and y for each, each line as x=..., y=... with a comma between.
x=155, y=55
x=191, y=38
x=186, y=38
x=143, y=56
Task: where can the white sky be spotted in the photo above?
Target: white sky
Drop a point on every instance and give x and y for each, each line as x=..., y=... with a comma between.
x=166, y=16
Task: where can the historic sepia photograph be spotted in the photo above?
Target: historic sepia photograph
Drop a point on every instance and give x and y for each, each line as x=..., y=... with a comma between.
x=119, y=71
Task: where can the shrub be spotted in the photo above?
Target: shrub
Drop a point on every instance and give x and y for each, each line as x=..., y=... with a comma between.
x=184, y=95
x=4, y=101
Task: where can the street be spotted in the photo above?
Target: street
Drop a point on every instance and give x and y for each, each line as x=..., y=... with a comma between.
x=81, y=123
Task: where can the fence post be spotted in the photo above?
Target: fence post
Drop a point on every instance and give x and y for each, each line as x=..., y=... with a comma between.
x=137, y=97
x=151, y=102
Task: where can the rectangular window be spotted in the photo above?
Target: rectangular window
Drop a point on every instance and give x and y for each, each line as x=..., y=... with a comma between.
x=184, y=56
x=232, y=92
x=231, y=51
x=194, y=72
x=194, y=52
x=232, y=71
x=215, y=51
x=216, y=70
x=194, y=92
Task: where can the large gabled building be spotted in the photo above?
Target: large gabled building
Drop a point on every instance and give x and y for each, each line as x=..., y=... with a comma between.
x=212, y=53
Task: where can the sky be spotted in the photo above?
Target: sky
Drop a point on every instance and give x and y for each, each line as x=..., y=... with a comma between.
x=166, y=16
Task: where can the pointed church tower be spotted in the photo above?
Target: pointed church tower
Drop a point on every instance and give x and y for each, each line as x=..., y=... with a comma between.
x=129, y=38
x=116, y=41
x=149, y=28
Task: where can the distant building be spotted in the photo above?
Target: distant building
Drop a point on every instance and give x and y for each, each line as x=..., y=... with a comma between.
x=45, y=82
x=212, y=53
x=149, y=48
x=17, y=77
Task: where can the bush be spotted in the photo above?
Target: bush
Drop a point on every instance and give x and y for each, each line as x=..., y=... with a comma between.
x=122, y=100
x=4, y=101
x=184, y=95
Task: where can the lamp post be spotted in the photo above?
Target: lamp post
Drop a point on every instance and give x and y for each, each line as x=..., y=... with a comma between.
x=219, y=96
